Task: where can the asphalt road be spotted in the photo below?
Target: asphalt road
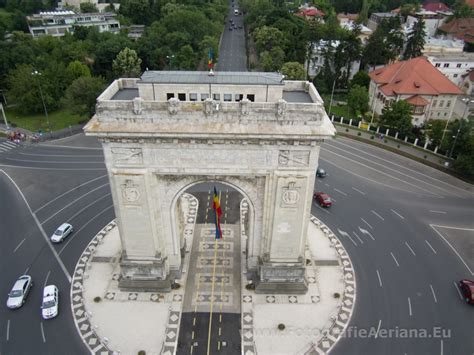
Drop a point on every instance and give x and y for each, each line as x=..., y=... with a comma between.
x=232, y=55
x=384, y=206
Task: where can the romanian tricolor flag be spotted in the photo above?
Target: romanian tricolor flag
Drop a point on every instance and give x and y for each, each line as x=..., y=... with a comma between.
x=210, y=59
x=216, y=206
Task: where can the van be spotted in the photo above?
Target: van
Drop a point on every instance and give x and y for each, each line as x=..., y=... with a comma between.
x=236, y=12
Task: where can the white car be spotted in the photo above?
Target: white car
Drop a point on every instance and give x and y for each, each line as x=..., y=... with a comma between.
x=19, y=292
x=50, y=304
x=61, y=233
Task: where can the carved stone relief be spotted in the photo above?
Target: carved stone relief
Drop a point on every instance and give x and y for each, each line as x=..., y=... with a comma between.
x=245, y=107
x=293, y=158
x=132, y=156
x=281, y=107
x=130, y=192
x=137, y=105
x=173, y=106
x=290, y=195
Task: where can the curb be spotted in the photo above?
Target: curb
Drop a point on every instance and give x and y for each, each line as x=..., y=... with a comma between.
x=86, y=331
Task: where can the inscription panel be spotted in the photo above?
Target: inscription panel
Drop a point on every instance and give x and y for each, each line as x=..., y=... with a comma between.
x=185, y=157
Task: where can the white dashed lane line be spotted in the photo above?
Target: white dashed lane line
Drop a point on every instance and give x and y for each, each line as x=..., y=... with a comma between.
x=361, y=192
x=434, y=295
x=432, y=249
x=19, y=245
x=379, y=216
x=380, y=279
x=441, y=212
x=363, y=220
x=409, y=307
x=409, y=247
x=398, y=214
x=457, y=289
x=42, y=332
x=341, y=192
x=8, y=330
x=396, y=262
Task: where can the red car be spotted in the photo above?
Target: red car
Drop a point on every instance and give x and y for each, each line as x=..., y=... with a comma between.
x=467, y=290
x=322, y=199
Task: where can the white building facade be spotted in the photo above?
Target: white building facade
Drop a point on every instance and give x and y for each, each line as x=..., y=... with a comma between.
x=58, y=23
x=454, y=66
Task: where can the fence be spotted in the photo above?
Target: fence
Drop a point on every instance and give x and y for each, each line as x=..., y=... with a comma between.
x=381, y=132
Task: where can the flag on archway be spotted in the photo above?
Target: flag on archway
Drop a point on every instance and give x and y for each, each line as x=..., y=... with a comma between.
x=216, y=206
x=210, y=58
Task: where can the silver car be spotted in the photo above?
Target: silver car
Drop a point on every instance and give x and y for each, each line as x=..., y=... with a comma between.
x=19, y=292
x=61, y=233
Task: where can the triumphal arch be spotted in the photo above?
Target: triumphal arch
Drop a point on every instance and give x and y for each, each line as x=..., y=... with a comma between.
x=168, y=130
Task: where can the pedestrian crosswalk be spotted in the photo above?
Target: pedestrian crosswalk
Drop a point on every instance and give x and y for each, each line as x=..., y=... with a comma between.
x=6, y=146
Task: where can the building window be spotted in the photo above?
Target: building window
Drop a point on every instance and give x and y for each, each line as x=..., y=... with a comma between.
x=251, y=97
x=435, y=102
x=446, y=65
x=448, y=103
x=441, y=103
x=227, y=97
x=418, y=110
x=193, y=97
x=445, y=114
x=455, y=75
x=216, y=97
x=458, y=66
x=204, y=97
x=238, y=97
x=438, y=65
x=169, y=95
x=181, y=97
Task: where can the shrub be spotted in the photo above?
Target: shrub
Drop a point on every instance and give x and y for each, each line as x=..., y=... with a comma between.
x=359, y=134
x=142, y=352
x=337, y=295
x=398, y=145
x=385, y=140
x=281, y=326
x=97, y=299
x=347, y=129
x=371, y=137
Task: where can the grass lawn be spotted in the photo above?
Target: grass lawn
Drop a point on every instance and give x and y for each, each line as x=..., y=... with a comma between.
x=58, y=119
x=341, y=111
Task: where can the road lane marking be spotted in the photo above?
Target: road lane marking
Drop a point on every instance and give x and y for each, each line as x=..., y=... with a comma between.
x=396, y=262
x=446, y=241
x=379, y=216
x=50, y=169
x=409, y=307
x=380, y=279
x=86, y=207
x=364, y=231
x=422, y=180
x=434, y=295
x=43, y=233
x=46, y=279
x=42, y=332
x=363, y=220
x=192, y=335
x=73, y=202
x=442, y=212
x=428, y=191
x=8, y=330
x=26, y=271
x=378, y=329
x=19, y=245
x=434, y=251
x=398, y=214
x=360, y=240
x=442, y=347
x=345, y=234
x=53, y=162
x=194, y=321
x=457, y=289
x=361, y=192
x=341, y=192
x=82, y=227
x=409, y=247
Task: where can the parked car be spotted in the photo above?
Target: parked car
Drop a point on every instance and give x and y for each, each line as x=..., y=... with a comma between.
x=322, y=199
x=61, y=233
x=19, y=292
x=50, y=304
x=320, y=172
x=467, y=290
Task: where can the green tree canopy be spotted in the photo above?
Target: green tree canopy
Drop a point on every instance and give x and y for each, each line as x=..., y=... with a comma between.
x=360, y=78
x=82, y=94
x=88, y=7
x=127, y=64
x=358, y=100
x=293, y=71
x=416, y=40
x=397, y=116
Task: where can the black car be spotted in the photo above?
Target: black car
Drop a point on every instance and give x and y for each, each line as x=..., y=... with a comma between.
x=320, y=173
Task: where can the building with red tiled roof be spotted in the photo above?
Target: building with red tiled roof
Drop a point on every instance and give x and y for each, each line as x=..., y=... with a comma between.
x=460, y=28
x=417, y=81
x=310, y=13
x=436, y=6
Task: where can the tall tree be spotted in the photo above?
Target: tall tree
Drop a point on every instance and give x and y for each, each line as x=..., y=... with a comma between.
x=416, y=40
x=81, y=95
x=397, y=116
x=293, y=71
x=127, y=64
x=358, y=100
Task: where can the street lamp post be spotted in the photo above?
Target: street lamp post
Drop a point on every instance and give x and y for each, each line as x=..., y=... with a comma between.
x=37, y=73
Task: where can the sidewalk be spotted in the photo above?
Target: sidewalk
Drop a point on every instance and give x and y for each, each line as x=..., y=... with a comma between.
x=112, y=321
